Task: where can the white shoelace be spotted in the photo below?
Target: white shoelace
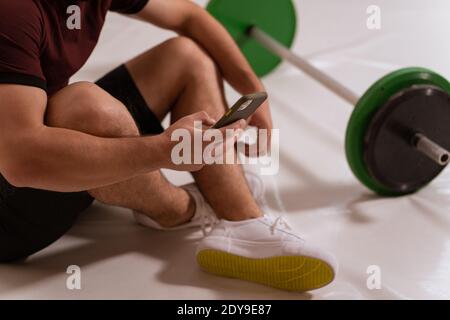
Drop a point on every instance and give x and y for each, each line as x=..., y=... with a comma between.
x=279, y=221
x=207, y=219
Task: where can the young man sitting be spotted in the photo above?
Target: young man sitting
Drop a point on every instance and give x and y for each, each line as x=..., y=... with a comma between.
x=62, y=146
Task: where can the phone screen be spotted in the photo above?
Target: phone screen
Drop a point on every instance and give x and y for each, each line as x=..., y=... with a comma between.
x=242, y=109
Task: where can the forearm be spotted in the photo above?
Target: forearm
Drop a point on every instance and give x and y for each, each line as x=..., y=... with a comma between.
x=224, y=50
x=69, y=161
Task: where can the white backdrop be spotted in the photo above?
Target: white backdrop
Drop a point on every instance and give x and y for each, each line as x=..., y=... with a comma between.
x=408, y=238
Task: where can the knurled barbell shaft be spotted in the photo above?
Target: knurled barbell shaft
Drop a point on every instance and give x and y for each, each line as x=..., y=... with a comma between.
x=422, y=143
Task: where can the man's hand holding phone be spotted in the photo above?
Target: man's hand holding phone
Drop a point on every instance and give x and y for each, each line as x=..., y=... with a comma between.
x=255, y=109
x=243, y=109
x=262, y=120
x=188, y=124
x=235, y=121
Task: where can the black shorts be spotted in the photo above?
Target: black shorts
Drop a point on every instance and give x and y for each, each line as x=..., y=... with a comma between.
x=31, y=219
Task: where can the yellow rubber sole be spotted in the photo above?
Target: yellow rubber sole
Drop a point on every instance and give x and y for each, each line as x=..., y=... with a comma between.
x=292, y=273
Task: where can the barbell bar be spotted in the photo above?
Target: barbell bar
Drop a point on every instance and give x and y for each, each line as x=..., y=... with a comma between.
x=398, y=136
x=423, y=144
x=281, y=51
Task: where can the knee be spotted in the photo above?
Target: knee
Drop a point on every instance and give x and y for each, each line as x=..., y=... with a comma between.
x=85, y=107
x=194, y=57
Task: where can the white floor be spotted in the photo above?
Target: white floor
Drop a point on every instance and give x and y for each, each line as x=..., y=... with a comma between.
x=408, y=238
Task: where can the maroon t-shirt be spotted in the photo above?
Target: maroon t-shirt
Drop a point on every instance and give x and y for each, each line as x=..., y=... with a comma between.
x=42, y=45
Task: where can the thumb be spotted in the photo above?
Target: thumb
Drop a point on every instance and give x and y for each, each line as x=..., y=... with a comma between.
x=204, y=117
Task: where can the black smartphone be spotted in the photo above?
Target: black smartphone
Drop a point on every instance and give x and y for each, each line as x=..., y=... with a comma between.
x=243, y=109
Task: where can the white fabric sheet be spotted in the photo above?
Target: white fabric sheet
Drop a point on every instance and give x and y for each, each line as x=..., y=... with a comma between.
x=408, y=238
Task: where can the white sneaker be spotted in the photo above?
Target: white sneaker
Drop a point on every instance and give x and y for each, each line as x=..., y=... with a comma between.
x=204, y=215
x=265, y=251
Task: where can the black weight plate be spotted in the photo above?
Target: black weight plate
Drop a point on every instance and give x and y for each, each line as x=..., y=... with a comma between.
x=389, y=152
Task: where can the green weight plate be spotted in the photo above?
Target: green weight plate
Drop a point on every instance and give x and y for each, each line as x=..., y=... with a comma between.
x=375, y=98
x=276, y=17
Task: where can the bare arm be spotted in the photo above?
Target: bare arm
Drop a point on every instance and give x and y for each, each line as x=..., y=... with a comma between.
x=189, y=19
x=37, y=156
x=34, y=155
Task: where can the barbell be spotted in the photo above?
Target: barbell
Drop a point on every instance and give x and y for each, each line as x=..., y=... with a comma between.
x=398, y=136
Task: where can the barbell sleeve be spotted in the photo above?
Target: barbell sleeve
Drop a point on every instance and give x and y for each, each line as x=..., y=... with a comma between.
x=431, y=149
x=281, y=51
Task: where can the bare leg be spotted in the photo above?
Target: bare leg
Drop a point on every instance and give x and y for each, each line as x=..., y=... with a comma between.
x=87, y=108
x=177, y=76
x=195, y=85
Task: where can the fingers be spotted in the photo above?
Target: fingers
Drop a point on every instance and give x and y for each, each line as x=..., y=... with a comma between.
x=228, y=136
x=204, y=117
x=227, y=144
x=250, y=151
x=260, y=148
x=237, y=130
